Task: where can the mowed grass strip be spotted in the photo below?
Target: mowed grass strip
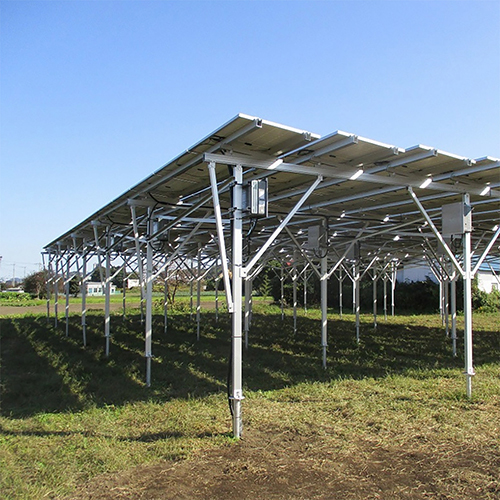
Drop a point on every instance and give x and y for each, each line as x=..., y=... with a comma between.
x=69, y=413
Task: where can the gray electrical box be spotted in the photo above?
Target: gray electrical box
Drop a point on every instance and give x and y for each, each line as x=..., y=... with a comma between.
x=159, y=225
x=255, y=198
x=354, y=252
x=456, y=219
x=316, y=237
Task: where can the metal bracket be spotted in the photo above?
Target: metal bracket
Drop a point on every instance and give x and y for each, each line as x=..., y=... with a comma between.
x=238, y=396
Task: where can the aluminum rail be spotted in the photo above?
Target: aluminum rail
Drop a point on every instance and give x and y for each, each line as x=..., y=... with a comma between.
x=347, y=174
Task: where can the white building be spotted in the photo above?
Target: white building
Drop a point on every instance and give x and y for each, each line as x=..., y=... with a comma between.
x=95, y=288
x=133, y=283
x=415, y=272
x=487, y=280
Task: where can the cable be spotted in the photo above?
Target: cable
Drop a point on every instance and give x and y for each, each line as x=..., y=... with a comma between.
x=158, y=202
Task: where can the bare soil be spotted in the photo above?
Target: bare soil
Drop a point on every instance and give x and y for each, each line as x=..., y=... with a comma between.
x=292, y=466
x=77, y=308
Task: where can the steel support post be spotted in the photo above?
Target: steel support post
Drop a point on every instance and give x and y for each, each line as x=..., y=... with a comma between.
x=393, y=288
x=107, y=292
x=124, y=291
x=217, y=300
x=84, y=298
x=138, y=253
x=237, y=236
x=48, y=296
x=165, y=302
x=356, y=300
x=353, y=290
x=143, y=292
x=56, y=291
x=294, y=289
x=149, y=305
x=324, y=307
x=385, y=298
x=305, y=292
x=375, y=279
x=282, y=300
x=66, y=291
x=441, y=298
x=469, y=369
x=191, y=315
x=198, y=293
x=341, y=300
x=454, y=316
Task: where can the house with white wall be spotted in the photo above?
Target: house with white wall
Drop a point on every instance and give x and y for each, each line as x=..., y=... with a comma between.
x=488, y=279
x=95, y=288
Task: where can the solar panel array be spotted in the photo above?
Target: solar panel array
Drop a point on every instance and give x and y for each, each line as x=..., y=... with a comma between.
x=363, y=195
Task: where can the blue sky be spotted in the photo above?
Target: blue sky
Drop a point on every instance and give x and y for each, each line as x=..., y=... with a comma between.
x=96, y=95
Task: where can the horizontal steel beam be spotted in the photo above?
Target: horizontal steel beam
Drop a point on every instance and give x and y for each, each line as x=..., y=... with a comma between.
x=346, y=174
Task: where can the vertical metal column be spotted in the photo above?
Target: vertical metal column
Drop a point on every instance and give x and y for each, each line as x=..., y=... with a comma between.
x=446, y=305
x=341, y=300
x=441, y=292
x=356, y=299
x=385, y=298
x=305, y=292
x=165, y=302
x=237, y=379
x=375, y=279
x=282, y=301
x=138, y=255
x=393, y=287
x=294, y=288
x=198, y=293
x=217, y=282
x=454, y=316
x=141, y=264
x=469, y=369
x=191, y=316
x=107, y=291
x=324, y=307
x=56, y=291
x=149, y=303
x=84, y=298
x=66, y=291
x=124, y=290
x=353, y=290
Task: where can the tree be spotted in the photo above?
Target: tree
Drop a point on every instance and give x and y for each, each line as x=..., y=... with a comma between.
x=35, y=284
x=74, y=286
x=263, y=287
x=114, y=271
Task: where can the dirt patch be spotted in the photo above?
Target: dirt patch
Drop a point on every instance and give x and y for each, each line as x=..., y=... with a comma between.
x=77, y=308
x=291, y=466
x=73, y=308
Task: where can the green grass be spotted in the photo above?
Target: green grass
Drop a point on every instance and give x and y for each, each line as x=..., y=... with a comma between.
x=18, y=299
x=69, y=413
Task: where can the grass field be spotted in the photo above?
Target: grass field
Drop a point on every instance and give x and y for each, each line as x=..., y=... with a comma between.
x=68, y=414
